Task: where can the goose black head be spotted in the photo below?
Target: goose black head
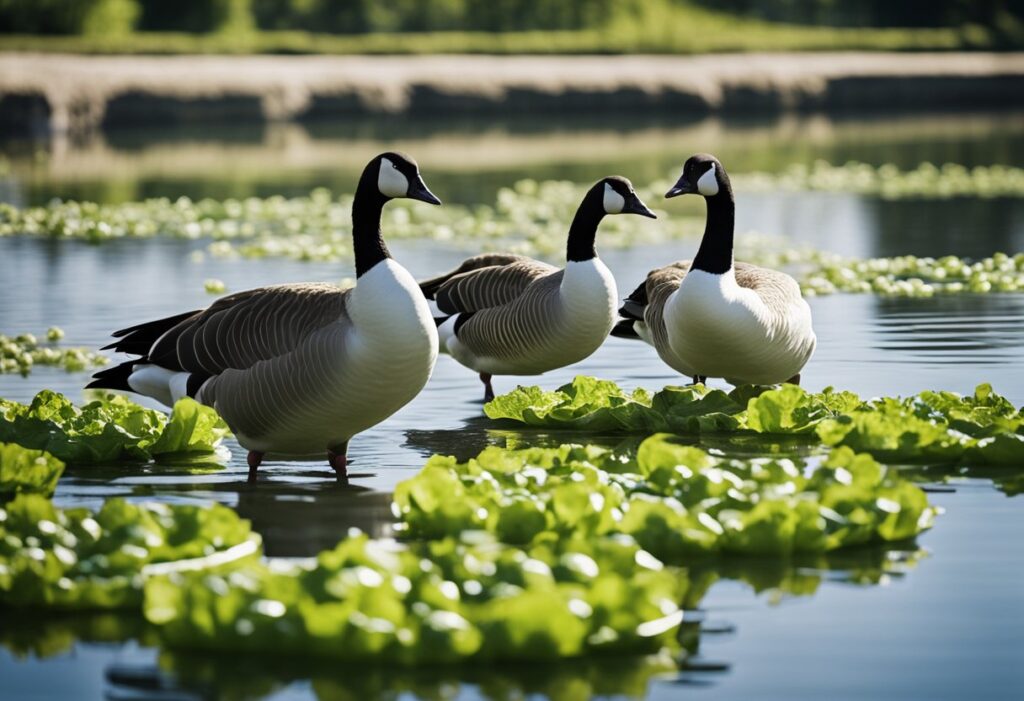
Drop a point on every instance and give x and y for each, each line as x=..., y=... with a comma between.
x=619, y=197
x=703, y=175
x=399, y=176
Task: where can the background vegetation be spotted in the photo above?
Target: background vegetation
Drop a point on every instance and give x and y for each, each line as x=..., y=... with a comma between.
x=505, y=26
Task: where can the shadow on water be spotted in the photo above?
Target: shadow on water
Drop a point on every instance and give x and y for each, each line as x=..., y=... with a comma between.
x=478, y=433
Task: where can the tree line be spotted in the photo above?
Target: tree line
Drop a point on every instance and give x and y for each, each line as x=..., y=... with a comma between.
x=369, y=16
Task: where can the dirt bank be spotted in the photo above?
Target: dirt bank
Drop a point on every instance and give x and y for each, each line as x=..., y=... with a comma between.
x=42, y=93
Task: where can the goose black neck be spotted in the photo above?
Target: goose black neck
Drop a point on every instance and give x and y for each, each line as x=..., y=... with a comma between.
x=584, y=225
x=715, y=252
x=367, y=240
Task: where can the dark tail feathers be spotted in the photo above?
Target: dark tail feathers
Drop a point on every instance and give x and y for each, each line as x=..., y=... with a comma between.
x=139, y=339
x=624, y=329
x=113, y=378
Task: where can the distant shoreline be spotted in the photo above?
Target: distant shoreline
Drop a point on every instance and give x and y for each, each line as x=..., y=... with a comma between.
x=43, y=94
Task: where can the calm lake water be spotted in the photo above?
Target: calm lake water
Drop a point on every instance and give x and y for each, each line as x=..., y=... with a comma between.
x=946, y=622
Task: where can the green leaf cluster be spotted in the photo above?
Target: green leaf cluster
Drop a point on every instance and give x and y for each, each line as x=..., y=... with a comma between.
x=934, y=427
x=912, y=276
x=76, y=559
x=590, y=404
x=23, y=470
x=431, y=602
x=937, y=427
x=677, y=501
x=23, y=352
x=926, y=181
x=109, y=429
x=529, y=216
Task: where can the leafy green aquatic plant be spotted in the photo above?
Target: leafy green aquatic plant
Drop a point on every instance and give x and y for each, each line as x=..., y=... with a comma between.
x=934, y=427
x=76, y=559
x=531, y=216
x=938, y=427
x=110, y=429
x=912, y=276
x=677, y=501
x=23, y=352
x=214, y=286
x=590, y=404
x=23, y=470
x=528, y=217
x=926, y=181
x=441, y=601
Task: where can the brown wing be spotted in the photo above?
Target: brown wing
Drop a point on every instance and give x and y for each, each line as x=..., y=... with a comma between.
x=775, y=288
x=242, y=329
x=658, y=286
x=521, y=325
x=485, y=281
x=483, y=260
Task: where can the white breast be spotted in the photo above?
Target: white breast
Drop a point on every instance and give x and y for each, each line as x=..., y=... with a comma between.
x=588, y=291
x=392, y=345
x=588, y=298
x=720, y=329
x=388, y=353
x=387, y=306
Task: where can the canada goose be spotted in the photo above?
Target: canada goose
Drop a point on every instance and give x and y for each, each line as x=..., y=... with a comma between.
x=298, y=369
x=710, y=317
x=505, y=314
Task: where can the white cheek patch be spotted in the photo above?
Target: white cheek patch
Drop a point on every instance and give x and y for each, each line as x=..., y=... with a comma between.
x=390, y=181
x=708, y=183
x=613, y=201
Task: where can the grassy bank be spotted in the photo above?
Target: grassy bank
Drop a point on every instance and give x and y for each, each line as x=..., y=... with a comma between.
x=668, y=30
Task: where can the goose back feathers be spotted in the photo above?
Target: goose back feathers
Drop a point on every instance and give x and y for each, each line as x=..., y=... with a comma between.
x=485, y=281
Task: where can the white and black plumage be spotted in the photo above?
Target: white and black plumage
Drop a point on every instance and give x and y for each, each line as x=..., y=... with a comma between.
x=297, y=370
x=710, y=317
x=505, y=314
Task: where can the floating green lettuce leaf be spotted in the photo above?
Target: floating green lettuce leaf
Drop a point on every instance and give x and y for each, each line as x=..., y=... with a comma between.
x=440, y=601
x=589, y=404
x=23, y=352
x=933, y=427
x=23, y=470
x=675, y=500
x=111, y=429
x=191, y=428
x=586, y=403
x=894, y=434
x=75, y=559
x=943, y=427
x=790, y=409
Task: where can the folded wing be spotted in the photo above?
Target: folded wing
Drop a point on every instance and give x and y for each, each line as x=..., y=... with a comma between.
x=484, y=281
